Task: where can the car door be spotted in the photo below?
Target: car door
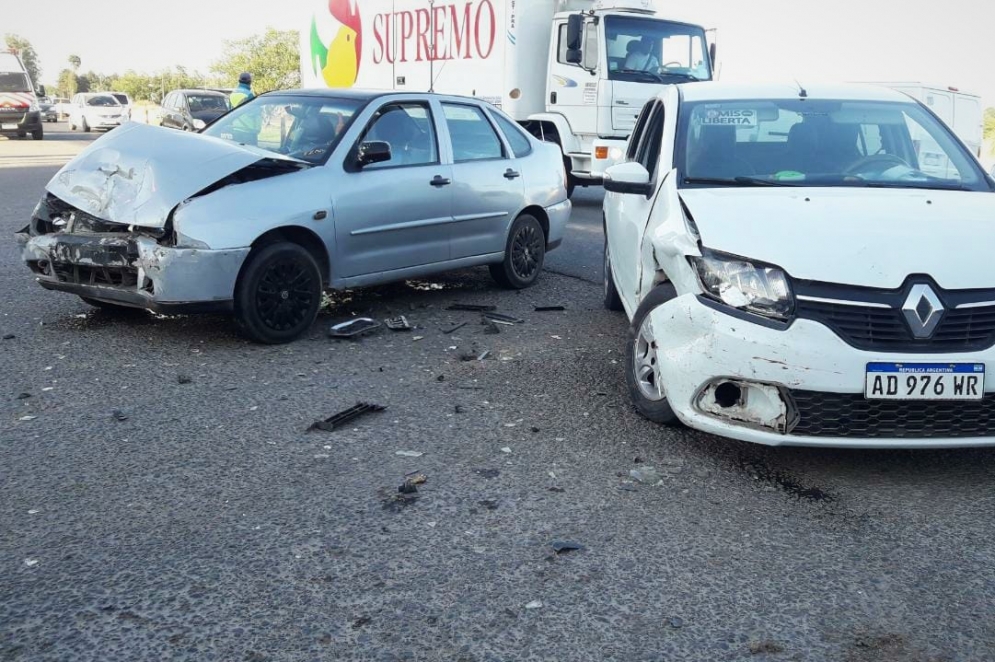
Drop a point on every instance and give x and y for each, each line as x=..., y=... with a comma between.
x=395, y=214
x=183, y=118
x=167, y=103
x=627, y=214
x=488, y=190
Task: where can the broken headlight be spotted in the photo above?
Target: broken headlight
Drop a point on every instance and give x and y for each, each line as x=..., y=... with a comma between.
x=744, y=285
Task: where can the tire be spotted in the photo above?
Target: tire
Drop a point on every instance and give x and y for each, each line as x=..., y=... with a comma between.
x=22, y=134
x=571, y=181
x=612, y=300
x=38, y=134
x=278, y=293
x=639, y=358
x=109, y=307
x=524, y=254
x=85, y=126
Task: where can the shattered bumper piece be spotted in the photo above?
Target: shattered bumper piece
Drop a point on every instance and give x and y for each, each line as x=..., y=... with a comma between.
x=354, y=328
x=135, y=270
x=338, y=420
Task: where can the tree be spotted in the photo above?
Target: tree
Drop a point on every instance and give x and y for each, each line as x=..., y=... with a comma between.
x=23, y=48
x=68, y=85
x=990, y=128
x=75, y=62
x=273, y=59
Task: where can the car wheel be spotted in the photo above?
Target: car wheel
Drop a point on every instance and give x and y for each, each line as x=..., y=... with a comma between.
x=38, y=134
x=524, y=254
x=278, y=293
x=109, y=307
x=85, y=126
x=22, y=134
x=641, y=373
x=612, y=300
x=72, y=127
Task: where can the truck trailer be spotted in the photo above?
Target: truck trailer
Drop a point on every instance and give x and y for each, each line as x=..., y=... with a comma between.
x=573, y=72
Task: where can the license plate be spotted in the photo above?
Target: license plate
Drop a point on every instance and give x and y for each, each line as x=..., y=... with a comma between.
x=8, y=127
x=925, y=381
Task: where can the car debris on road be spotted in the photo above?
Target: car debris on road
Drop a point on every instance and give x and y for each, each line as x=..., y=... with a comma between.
x=338, y=420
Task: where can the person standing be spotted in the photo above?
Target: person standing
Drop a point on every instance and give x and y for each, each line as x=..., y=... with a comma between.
x=243, y=92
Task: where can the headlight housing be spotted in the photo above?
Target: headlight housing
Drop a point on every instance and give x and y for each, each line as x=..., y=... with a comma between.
x=744, y=284
x=199, y=124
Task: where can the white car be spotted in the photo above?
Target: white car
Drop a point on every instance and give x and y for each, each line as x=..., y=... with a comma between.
x=125, y=102
x=95, y=111
x=792, y=274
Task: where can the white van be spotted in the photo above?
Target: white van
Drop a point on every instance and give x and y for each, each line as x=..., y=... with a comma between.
x=20, y=113
x=961, y=111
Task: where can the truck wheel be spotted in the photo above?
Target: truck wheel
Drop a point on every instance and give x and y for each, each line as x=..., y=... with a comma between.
x=278, y=293
x=640, y=361
x=571, y=182
x=524, y=254
x=612, y=300
x=38, y=134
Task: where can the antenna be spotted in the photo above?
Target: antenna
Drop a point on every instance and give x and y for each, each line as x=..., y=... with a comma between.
x=802, y=92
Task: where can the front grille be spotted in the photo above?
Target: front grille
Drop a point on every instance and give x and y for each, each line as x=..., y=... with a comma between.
x=868, y=328
x=851, y=415
x=126, y=277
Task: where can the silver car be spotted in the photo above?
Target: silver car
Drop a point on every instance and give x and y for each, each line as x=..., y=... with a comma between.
x=295, y=192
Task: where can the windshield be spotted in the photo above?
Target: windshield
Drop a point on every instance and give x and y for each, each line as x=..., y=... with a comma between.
x=200, y=102
x=102, y=101
x=651, y=50
x=14, y=82
x=306, y=128
x=805, y=142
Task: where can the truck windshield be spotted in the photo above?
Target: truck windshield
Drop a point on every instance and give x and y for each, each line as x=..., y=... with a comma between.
x=651, y=50
x=820, y=142
x=14, y=82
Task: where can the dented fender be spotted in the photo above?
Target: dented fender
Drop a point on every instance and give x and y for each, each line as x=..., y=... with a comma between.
x=667, y=241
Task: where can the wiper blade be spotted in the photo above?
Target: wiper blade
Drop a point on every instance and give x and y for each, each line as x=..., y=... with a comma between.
x=639, y=72
x=680, y=74
x=737, y=181
x=932, y=186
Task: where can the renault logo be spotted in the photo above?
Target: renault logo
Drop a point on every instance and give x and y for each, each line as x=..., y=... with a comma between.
x=923, y=311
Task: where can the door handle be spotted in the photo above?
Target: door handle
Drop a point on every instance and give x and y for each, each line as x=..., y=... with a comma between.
x=439, y=180
x=511, y=174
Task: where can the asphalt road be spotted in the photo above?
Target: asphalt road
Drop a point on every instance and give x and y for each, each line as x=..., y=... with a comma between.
x=143, y=518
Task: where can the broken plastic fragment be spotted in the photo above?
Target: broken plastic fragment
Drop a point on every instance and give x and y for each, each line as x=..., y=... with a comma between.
x=409, y=453
x=549, y=309
x=456, y=327
x=9, y=336
x=506, y=449
x=498, y=318
x=472, y=307
x=353, y=328
x=399, y=323
x=343, y=417
x=27, y=418
x=566, y=546
x=31, y=562
x=535, y=604
x=645, y=474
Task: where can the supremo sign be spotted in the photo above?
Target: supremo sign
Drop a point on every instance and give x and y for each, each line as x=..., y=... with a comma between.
x=456, y=31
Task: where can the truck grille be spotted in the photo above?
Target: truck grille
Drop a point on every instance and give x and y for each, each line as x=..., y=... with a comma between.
x=868, y=328
x=851, y=415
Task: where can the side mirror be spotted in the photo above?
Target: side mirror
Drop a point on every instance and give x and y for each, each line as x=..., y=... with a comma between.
x=711, y=55
x=575, y=26
x=373, y=152
x=630, y=177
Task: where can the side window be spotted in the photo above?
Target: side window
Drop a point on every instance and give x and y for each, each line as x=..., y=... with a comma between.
x=648, y=153
x=637, y=133
x=520, y=144
x=408, y=129
x=472, y=135
x=561, y=45
x=168, y=101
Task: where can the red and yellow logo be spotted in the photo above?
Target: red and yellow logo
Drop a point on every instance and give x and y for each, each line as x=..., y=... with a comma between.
x=337, y=61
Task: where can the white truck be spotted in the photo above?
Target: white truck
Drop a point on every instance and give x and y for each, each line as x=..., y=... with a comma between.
x=961, y=111
x=574, y=72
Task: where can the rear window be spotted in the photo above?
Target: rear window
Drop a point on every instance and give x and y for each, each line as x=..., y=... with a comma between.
x=200, y=102
x=122, y=98
x=102, y=101
x=520, y=144
x=14, y=82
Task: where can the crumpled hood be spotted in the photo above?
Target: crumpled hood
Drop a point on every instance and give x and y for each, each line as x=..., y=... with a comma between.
x=870, y=237
x=138, y=173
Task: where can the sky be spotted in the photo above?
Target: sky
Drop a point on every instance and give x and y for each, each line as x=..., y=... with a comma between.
x=946, y=43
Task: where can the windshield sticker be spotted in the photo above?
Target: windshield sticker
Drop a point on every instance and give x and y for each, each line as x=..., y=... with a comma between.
x=716, y=117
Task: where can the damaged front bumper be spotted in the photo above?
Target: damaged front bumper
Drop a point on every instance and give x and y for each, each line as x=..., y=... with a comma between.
x=797, y=385
x=128, y=266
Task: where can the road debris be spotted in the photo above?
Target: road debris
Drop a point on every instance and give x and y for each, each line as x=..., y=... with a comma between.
x=491, y=328
x=459, y=409
x=416, y=478
x=354, y=328
x=455, y=327
x=646, y=475
x=567, y=546
x=506, y=449
x=31, y=562
x=343, y=417
x=183, y=379
x=399, y=323
x=9, y=336
x=489, y=504
x=535, y=430
x=440, y=378
x=361, y=621
x=407, y=487
x=557, y=490
x=487, y=473
x=119, y=415
x=417, y=338
x=498, y=318
x=535, y=604
x=472, y=307
x=27, y=418
x=676, y=622
x=483, y=355
x=23, y=396
x=765, y=647
x=549, y=309
x=409, y=453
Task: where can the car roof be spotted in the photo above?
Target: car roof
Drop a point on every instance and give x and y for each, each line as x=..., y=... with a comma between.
x=721, y=91
x=194, y=90
x=367, y=95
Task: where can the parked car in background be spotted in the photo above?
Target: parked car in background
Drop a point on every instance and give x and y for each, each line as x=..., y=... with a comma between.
x=796, y=272
x=48, y=113
x=294, y=192
x=125, y=102
x=20, y=113
x=62, y=107
x=95, y=111
x=192, y=110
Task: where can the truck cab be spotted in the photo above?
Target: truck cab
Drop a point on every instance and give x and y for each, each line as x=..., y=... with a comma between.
x=606, y=59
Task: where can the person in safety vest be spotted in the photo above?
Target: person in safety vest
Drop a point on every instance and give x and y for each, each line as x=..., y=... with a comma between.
x=246, y=127
x=243, y=92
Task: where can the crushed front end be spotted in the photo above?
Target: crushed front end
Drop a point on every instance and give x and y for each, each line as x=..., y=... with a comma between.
x=70, y=250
